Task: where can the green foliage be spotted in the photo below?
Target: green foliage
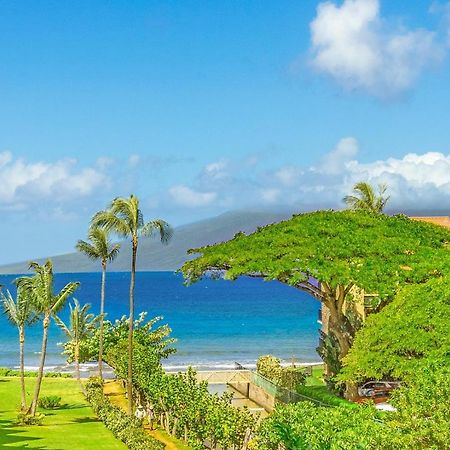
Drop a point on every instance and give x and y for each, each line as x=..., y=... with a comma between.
x=303, y=426
x=50, y=402
x=116, y=333
x=24, y=418
x=324, y=394
x=375, y=252
x=128, y=429
x=365, y=198
x=423, y=409
x=182, y=406
x=420, y=422
x=328, y=350
x=289, y=377
x=99, y=246
x=408, y=335
x=5, y=372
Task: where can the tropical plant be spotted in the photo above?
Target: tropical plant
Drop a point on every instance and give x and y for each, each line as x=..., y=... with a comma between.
x=125, y=218
x=21, y=313
x=81, y=326
x=366, y=198
x=408, y=336
x=50, y=402
x=329, y=254
x=100, y=248
x=420, y=421
x=47, y=303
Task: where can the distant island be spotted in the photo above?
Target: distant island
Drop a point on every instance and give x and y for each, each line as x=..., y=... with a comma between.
x=154, y=257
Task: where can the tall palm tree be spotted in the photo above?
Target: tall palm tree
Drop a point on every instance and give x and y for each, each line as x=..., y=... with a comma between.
x=365, y=197
x=81, y=326
x=100, y=248
x=20, y=312
x=125, y=218
x=47, y=303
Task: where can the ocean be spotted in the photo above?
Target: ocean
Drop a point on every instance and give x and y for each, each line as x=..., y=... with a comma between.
x=216, y=322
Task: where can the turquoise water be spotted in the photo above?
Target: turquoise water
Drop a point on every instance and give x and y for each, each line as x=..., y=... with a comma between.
x=216, y=322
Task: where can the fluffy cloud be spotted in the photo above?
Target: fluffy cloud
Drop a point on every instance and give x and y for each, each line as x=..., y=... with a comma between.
x=190, y=198
x=354, y=45
x=417, y=183
x=25, y=183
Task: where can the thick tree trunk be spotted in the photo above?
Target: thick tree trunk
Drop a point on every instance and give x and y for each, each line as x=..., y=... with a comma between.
x=33, y=406
x=130, y=329
x=102, y=311
x=23, y=403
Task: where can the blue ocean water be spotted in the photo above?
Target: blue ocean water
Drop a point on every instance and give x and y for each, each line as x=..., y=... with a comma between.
x=216, y=322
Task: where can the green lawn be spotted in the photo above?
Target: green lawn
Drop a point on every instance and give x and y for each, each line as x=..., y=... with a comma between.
x=73, y=427
x=315, y=388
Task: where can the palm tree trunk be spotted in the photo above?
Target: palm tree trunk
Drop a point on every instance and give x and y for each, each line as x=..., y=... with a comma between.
x=102, y=310
x=130, y=329
x=77, y=362
x=23, y=405
x=46, y=324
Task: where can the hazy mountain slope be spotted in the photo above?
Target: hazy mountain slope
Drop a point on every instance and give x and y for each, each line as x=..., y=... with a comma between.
x=154, y=256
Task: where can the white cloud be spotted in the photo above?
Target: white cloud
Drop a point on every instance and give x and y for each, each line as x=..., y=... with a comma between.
x=288, y=175
x=26, y=182
x=190, y=198
x=354, y=45
x=334, y=162
x=417, y=182
x=270, y=195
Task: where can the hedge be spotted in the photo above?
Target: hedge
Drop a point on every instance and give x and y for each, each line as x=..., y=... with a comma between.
x=128, y=429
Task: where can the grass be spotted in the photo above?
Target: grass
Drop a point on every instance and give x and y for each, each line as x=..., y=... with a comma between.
x=315, y=388
x=72, y=427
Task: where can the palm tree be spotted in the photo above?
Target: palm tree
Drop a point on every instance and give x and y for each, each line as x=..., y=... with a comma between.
x=125, y=218
x=20, y=312
x=366, y=198
x=100, y=248
x=81, y=326
x=47, y=303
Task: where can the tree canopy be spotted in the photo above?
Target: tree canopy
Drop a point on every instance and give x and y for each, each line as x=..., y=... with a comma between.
x=373, y=251
x=407, y=336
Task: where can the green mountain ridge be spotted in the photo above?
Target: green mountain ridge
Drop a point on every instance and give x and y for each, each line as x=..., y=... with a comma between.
x=153, y=256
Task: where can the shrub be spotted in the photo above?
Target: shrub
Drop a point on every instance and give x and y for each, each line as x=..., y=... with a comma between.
x=288, y=377
x=5, y=372
x=128, y=429
x=23, y=418
x=50, y=402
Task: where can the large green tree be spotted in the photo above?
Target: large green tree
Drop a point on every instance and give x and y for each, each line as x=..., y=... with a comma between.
x=100, y=248
x=366, y=197
x=47, y=303
x=125, y=218
x=409, y=335
x=20, y=312
x=327, y=253
x=81, y=326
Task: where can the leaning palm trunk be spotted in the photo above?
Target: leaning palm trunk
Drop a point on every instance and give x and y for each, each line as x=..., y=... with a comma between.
x=37, y=389
x=130, y=330
x=102, y=311
x=23, y=403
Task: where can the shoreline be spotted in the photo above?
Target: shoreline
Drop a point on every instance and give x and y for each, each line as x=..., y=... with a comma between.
x=87, y=368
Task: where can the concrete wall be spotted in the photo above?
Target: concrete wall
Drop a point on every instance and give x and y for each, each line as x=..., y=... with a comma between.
x=255, y=394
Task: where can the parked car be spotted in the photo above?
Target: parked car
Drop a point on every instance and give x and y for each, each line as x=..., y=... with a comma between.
x=377, y=388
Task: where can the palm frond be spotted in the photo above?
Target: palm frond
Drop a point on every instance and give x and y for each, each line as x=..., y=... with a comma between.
x=160, y=227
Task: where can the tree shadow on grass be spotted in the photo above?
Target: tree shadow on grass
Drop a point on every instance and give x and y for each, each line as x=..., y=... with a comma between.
x=86, y=420
x=11, y=434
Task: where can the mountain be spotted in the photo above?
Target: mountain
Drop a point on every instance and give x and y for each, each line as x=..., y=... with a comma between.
x=153, y=256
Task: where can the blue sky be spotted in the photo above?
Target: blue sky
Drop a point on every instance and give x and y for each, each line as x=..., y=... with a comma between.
x=204, y=107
